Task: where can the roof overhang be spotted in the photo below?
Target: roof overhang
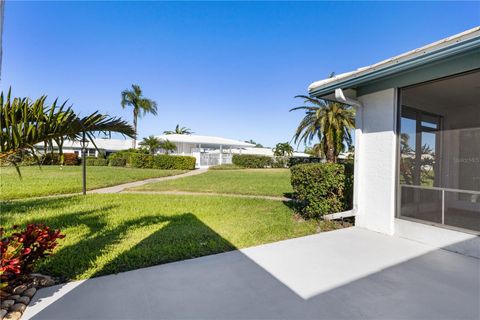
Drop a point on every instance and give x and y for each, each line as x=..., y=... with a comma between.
x=206, y=141
x=437, y=51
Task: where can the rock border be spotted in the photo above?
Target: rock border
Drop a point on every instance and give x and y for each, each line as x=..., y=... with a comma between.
x=13, y=306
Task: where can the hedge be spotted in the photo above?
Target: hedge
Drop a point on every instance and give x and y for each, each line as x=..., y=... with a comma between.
x=161, y=161
x=321, y=188
x=292, y=161
x=96, y=161
x=252, y=161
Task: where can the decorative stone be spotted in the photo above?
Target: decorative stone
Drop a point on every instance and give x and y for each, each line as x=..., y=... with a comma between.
x=14, y=297
x=3, y=312
x=25, y=300
x=20, y=307
x=42, y=279
x=15, y=315
x=30, y=292
x=19, y=289
x=7, y=303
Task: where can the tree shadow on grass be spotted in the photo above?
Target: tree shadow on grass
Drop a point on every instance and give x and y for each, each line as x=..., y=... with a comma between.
x=183, y=237
x=9, y=207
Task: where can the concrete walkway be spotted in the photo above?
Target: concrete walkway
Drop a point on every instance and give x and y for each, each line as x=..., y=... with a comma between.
x=122, y=187
x=345, y=274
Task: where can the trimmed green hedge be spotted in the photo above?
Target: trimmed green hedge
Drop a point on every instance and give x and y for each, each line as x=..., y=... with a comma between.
x=96, y=161
x=161, y=161
x=292, y=161
x=252, y=161
x=322, y=188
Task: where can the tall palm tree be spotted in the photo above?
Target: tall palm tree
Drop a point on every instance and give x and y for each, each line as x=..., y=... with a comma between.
x=179, y=130
x=25, y=123
x=330, y=122
x=141, y=106
x=152, y=143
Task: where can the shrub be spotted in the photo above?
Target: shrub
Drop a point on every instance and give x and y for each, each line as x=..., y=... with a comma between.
x=118, y=159
x=280, y=162
x=96, y=161
x=298, y=160
x=140, y=160
x=319, y=188
x=164, y=161
x=252, y=161
x=70, y=159
x=21, y=250
x=349, y=167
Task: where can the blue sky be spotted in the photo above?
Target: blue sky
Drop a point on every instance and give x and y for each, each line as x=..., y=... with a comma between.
x=229, y=69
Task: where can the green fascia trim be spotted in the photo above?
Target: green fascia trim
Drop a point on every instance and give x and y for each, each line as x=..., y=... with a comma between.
x=393, y=70
x=453, y=65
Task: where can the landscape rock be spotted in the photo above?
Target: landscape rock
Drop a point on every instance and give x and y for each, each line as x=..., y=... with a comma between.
x=14, y=297
x=3, y=312
x=15, y=315
x=20, y=289
x=20, y=307
x=43, y=280
x=30, y=292
x=7, y=303
x=25, y=300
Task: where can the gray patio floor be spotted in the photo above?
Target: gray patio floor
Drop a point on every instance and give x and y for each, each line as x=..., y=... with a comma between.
x=345, y=274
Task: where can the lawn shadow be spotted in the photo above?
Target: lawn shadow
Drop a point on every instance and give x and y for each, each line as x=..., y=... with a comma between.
x=15, y=206
x=183, y=237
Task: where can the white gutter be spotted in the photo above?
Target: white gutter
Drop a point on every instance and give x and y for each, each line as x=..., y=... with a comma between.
x=340, y=97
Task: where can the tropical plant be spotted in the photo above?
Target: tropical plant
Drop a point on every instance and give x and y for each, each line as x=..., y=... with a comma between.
x=330, y=122
x=141, y=106
x=179, y=130
x=25, y=123
x=152, y=143
x=283, y=149
x=168, y=146
x=257, y=145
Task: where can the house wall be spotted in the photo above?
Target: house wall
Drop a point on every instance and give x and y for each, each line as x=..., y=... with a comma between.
x=375, y=194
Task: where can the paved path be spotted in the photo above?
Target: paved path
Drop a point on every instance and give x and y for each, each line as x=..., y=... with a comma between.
x=122, y=187
x=344, y=274
x=189, y=193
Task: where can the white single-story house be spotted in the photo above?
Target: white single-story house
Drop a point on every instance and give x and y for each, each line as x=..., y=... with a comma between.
x=417, y=142
x=210, y=150
x=105, y=145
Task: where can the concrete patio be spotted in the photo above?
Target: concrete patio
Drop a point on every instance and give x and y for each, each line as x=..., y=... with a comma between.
x=346, y=274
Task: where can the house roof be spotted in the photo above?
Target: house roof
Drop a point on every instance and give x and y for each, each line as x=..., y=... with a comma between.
x=265, y=152
x=204, y=140
x=435, y=51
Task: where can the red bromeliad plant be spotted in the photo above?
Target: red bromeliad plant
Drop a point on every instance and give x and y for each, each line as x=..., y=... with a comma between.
x=23, y=249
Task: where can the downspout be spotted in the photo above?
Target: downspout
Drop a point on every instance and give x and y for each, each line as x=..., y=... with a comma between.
x=340, y=97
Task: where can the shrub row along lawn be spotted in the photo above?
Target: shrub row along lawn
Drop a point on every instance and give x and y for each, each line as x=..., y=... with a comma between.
x=49, y=180
x=267, y=182
x=110, y=233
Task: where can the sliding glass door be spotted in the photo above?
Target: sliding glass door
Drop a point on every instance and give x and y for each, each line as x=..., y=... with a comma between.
x=439, y=158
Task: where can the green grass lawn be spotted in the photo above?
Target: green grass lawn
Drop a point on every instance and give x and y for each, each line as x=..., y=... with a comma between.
x=119, y=232
x=49, y=180
x=268, y=182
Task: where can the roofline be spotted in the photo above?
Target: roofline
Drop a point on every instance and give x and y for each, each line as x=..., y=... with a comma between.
x=439, y=50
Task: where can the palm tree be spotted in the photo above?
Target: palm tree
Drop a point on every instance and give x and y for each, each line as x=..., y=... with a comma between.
x=257, y=145
x=141, y=106
x=168, y=146
x=330, y=122
x=283, y=149
x=179, y=130
x=152, y=143
x=25, y=123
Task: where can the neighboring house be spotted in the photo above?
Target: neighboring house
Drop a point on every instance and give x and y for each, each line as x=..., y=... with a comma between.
x=417, y=142
x=106, y=145
x=265, y=152
x=207, y=150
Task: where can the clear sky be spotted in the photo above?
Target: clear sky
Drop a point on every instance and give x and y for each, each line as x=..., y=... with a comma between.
x=229, y=69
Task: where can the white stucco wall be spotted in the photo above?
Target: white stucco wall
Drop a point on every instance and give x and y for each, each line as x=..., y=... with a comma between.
x=375, y=194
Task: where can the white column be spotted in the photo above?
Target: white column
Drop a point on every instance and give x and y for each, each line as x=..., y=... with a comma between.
x=221, y=155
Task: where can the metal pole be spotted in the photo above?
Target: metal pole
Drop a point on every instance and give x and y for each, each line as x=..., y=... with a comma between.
x=84, y=165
